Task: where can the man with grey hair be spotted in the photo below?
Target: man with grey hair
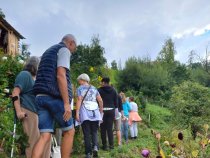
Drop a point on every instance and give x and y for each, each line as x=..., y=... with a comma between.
x=54, y=95
x=25, y=106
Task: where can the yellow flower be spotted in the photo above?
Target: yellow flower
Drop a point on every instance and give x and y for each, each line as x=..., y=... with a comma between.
x=91, y=69
x=195, y=153
x=99, y=78
x=166, y=143
x=162, y=153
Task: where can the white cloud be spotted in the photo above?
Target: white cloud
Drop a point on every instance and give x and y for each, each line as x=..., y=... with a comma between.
x=192, y=32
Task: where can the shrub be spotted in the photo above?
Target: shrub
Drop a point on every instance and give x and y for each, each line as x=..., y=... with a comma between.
x=190, y=104
x=9, y=67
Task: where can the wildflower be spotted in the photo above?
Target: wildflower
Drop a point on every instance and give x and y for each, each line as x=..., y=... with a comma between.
x=166, y=143
x=145, y=153
x=91, y=69
x=195, y=153
x=21, y=61
x=6, y=90
x=180, y=136
x=162, y=153
x=4, y=58
x=100, y=78
x=173, y=145
x=158, y=136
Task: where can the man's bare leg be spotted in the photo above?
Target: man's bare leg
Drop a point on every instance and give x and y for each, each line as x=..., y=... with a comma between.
x=67, y=143
x=39, y=147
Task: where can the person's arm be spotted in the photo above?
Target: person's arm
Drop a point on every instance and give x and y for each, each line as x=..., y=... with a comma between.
x=120, y=106
x=78, y=105
x=100, y=102
x=20, y=114
x=63, y=88
x=129, y=106
x=115, y=99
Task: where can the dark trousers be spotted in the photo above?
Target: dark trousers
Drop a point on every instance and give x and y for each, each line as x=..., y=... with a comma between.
x=106, y=128
x=90, y=130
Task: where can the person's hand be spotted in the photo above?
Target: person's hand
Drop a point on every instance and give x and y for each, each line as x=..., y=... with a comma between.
x=21, y=115
x=67, y=112
x=101, y=110
x=77, y=116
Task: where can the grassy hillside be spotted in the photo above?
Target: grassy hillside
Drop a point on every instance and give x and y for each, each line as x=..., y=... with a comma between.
x=159, y=120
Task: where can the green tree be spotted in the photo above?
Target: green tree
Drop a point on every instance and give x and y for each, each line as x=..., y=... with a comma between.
x=190, y=105
x=198, y=74
x=114, y=65
x=88, y=59
x=167, y=54
x=2, y=13
x=143, y=75
x=180, y=73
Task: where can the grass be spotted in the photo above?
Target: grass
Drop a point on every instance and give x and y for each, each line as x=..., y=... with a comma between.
x=159, y=120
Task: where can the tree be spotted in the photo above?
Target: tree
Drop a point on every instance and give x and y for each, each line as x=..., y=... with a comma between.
x=2, y=13
x=143, y=75
x=180, y=73
x=167, y=54
x=88, y=59
x=190, y=104
x=114, y=65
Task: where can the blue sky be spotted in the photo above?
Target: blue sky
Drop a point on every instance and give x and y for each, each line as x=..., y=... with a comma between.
x=125, y=28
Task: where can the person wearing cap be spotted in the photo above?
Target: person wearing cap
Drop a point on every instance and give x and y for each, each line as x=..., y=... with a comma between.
x=109, y=97
x=88, y=113
x=54, y=95
x=25, y=105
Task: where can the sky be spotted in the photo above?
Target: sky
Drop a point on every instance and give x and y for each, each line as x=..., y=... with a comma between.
x=126, y=28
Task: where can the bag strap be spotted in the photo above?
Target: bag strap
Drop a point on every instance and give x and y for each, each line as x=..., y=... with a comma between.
x=85, y=95
x=55, y=144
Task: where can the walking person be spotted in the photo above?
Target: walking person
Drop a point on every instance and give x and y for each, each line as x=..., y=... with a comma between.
x=88, y=113
x=25, y=106
x=134, y=118
x=124, y=124
x=117, y=122
x=54, y=95
x=109, y=97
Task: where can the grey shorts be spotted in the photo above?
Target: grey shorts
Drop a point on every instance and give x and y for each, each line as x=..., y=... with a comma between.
x=117, y=124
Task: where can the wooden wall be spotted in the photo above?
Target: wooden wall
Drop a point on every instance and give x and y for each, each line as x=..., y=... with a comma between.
x=13, y=42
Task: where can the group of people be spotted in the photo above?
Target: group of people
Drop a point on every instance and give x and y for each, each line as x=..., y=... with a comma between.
x=43, y=93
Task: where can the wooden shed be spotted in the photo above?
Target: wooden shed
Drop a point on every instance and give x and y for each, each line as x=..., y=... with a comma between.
x=9, y=38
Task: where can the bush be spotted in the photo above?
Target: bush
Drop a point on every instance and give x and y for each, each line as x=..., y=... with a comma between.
x=190, y=103
x=9, y=67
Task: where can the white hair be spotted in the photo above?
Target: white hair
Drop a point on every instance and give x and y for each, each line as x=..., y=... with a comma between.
x=84, y=77
x=69, y=37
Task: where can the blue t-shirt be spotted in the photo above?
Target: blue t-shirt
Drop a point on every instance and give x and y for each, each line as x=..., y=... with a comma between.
x=25, y=82
x=126, y=108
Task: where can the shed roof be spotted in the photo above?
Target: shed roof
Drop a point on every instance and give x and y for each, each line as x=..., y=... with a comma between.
x=6, y=24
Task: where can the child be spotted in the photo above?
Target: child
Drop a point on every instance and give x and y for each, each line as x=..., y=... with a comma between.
x=124, y=124
x=134, y=118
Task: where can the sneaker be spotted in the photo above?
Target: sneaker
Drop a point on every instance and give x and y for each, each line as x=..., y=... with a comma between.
x=95, y=151
x=111, y=147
